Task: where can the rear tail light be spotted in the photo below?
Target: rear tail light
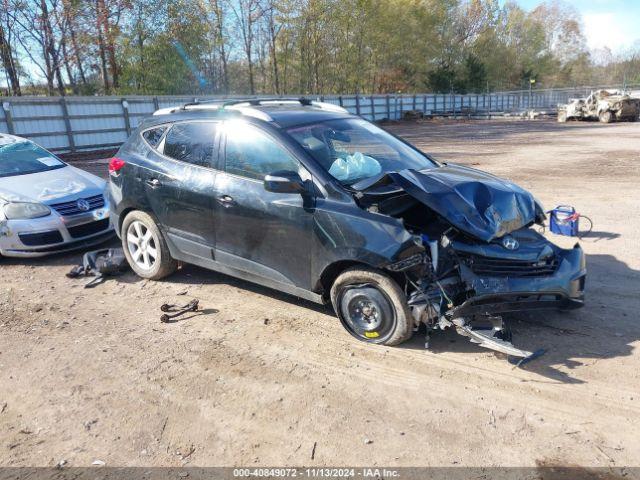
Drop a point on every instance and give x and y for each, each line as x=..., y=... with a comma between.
x=115, y=164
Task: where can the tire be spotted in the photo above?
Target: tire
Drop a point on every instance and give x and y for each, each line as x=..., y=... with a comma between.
x=390, y=321
x=606, y=117
x=140, y=253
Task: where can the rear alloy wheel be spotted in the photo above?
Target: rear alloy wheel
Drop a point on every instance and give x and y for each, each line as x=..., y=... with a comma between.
x=606, y=117
x=372, y=307
x=145, y=247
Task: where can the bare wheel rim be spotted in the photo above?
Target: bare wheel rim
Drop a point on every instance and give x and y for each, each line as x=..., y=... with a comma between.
x=367, y=312
x=142, y=245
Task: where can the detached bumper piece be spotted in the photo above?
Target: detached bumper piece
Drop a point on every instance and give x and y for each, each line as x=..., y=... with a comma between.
x=495, y=338
x=494, y=304
x=509, y=285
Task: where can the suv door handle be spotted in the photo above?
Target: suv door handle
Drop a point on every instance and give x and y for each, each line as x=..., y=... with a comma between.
x=153, y=183
x=226, y=200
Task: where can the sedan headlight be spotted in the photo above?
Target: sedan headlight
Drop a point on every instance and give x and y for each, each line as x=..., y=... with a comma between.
x=25, y=210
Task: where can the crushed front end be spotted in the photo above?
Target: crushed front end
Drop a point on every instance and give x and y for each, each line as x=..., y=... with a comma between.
x=478, y=263
x=468, y=285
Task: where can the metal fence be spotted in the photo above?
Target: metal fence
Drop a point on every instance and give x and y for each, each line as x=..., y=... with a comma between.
x=75, y=124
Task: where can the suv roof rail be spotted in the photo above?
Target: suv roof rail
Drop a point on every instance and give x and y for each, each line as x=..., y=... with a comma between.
x=255, y=102
x=244, y=105
x=306, y=102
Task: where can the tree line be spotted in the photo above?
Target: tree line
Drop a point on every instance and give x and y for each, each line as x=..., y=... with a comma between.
x=62, y=47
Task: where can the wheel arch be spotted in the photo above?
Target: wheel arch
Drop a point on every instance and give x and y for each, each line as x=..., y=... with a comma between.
x=126, y=211
x=332, y=271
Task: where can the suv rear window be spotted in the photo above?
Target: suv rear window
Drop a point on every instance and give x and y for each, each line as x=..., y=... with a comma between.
x=191, y=143
x=154, y=135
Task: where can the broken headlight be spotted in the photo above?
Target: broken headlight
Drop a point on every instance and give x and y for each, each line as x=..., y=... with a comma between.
x=25, y=210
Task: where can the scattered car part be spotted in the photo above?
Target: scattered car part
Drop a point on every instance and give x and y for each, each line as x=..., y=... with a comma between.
x=192, y=306
x=100, y=264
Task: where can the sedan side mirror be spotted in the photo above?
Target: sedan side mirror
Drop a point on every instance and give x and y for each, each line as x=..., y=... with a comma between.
x=284, y=181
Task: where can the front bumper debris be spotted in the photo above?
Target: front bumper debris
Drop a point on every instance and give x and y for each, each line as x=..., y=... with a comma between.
x=487, y=297
x=562, y=289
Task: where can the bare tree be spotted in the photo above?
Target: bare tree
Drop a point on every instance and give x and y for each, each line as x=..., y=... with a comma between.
x=220, y=39
x=37, y=29
x=248, y=13
x=273, y=29
x=108, y=14
x=7, y=49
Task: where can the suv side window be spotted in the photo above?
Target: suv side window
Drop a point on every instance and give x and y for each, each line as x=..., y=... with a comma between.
x=253, y=154
x=154, y=135
x=192, y=142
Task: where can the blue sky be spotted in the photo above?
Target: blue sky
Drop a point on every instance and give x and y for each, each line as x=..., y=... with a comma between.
x=612, y=23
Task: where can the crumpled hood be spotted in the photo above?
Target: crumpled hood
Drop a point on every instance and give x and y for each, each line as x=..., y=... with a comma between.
x=477, y=203
x=53, y=186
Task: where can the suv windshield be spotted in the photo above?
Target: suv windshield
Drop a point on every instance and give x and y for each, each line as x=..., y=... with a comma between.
x=354, y=149
x=21, y=158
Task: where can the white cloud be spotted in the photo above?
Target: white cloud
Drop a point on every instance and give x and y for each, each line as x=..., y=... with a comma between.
x=608, y=29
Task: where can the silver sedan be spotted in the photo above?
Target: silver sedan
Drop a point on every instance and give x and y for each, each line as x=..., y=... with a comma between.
x=46, y=205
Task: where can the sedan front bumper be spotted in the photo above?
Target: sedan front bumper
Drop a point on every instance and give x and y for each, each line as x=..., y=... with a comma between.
x=54, y=233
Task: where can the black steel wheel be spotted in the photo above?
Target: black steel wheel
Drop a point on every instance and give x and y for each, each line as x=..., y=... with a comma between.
x=372, y=307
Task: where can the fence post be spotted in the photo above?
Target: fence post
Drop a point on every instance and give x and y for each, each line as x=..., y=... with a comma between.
x=340, y=100
x=127, y=120
x=424, y=104
x=401, y=107
x=388, y=108
x=358, y=104
x=6, y=107
x=67, y=124
x=373, y=109
x=156, y=103
x=414, y=101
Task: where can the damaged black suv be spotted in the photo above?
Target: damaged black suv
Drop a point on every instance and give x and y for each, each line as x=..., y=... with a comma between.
x=303, y=197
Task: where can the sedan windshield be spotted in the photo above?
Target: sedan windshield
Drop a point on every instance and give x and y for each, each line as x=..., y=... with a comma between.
x=354, y=149
x=21, y=158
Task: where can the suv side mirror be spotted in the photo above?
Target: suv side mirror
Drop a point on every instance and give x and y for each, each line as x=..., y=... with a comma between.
x=284, y=181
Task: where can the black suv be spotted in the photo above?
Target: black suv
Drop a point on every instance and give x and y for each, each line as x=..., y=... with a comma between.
x=303, y=197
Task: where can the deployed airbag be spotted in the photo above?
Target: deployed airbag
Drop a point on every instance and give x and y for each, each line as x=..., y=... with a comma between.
x=354, y=166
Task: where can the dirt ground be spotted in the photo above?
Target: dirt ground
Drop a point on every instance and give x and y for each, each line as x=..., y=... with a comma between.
x=262, y=378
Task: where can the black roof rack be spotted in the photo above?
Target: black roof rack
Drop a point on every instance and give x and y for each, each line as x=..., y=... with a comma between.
x=259, y=101
x=251, y=101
